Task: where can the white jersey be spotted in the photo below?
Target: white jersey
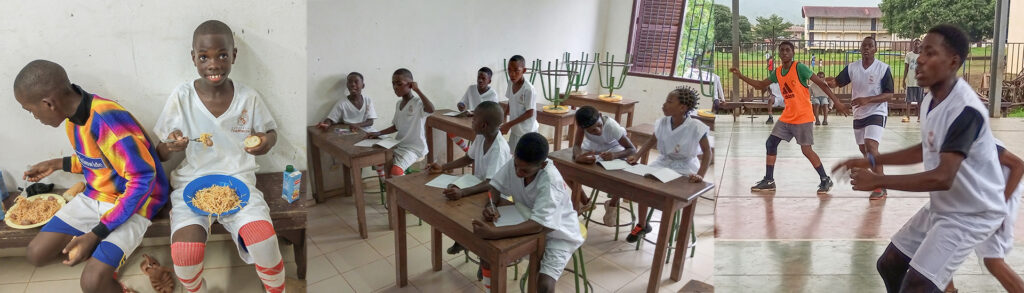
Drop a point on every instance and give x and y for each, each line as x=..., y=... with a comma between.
x=487, y=162
x=679, y=147
x=704, y=76
x=346, y=112
x=186, y=112
x=473, y=97
x=978, y=185
x=867, y=83
x=911, y=61
x=547, y=201
x=608, y=141
x=409, y=121
x=520, y=102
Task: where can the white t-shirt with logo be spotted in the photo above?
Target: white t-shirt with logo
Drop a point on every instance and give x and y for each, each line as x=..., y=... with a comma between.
x=867, y=83
x=520, y=102
x=608, y=141
x=911, y=61
x=473, y=97
x=487, y=162
x=345, y=111
x=547, y=201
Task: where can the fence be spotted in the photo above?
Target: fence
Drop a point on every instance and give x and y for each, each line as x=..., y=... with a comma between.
x=831, y=57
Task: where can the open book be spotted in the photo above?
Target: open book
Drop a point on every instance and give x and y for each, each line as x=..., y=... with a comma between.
x=509, y=216
x=613, y=164
x=457, y=114
x=664, y=175
x=383, y=142
x=464, y=181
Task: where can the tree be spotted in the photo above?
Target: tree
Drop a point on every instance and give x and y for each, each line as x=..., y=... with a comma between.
x=772, y=27
x=723, y=26
x=913, y=18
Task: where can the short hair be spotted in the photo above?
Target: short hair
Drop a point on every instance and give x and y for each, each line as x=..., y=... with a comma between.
x=491, y=112
x=517, y=58
x=954, y=38
x=821, y=72
x=532, y=148
x=787, y=43
x=360, y=75
x=213, y=27
x=404, y=73
x=40, y=78
x=686, y=96
x=873, y=40
x=587, y=116
x=486, y=71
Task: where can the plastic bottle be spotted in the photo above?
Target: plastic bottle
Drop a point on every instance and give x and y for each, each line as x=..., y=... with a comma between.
x=292, y=184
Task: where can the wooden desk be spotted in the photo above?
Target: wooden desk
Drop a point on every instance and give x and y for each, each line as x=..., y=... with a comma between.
x=289, y=220
x=458, y=126
x=670, y=197
x=639, y=135
x=555, y=120
x=353, y=159
x=454, y=218
x=625, y=106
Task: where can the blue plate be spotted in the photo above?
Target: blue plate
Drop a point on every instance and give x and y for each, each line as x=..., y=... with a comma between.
x=211, y=180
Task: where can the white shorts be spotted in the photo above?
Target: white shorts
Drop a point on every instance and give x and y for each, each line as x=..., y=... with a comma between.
x=872, y=132
x=405, y=157
x=554, y=261
x=1001, y=242
x=255, y=210
x=938, y=243
x=82, y=213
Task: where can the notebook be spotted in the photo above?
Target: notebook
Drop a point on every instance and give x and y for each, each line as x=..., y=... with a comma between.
x=509, y=216
x=613, y=164
x=384, y=142
x=664, y=175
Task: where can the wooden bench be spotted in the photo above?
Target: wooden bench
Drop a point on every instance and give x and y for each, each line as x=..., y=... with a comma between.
x=289, y=220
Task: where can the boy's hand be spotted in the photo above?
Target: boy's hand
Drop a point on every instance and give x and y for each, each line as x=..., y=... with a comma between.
x=694, y=178
x=373, y=135
x=859, y=102
x=354, y=128
x=586, y=158
x=323, y=125
x=435, y=168
x=858, y=163
x=261, y=148
x=607, y=156
x=485, y=231
x=180, y=142
x=830, y=81
x=505, y=128
x=462, y=107
x=491, y=214
x=733, y=70
x=631, y=159
x=414, y=86
x=80, y=248
x=841, y=109
x=43, y=169
x=453, y=192
x=863, y=179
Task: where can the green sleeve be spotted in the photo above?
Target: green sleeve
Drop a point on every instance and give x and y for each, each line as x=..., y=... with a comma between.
x=805, y=74
x=772, y=77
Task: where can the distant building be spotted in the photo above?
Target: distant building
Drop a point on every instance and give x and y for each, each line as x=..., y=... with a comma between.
x=830, y=23
x=1015, y=34
x=796, y=32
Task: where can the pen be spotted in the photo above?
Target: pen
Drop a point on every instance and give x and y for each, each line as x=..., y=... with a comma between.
x=490, y=200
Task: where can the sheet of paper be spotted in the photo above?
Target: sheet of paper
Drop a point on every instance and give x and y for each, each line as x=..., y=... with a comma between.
x=639, y=169
x=387, y=143
x=509, y=216
x=452, y=114
x=367, y=143
x=466, y=181
x=664, y=174
x=442, y=181
x=614, y=164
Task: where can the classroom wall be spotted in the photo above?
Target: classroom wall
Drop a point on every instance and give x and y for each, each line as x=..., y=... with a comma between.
x=141, y=55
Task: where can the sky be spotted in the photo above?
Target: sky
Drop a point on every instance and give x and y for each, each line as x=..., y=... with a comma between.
x=788, y=9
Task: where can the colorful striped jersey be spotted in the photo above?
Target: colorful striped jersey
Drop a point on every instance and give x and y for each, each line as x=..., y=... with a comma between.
x=119, y=162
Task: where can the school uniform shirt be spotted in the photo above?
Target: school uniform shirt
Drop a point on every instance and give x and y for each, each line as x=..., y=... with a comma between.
x=520, y=102
x=911, y=61
x=873, y=81
x=473, y=97
x=487, y=162
x=119, y=162
x=960, y=125
x=546, y=201
x=345, y=111
x=409, y=121
x=246, y=114
x=679, y=147
x=608, y=141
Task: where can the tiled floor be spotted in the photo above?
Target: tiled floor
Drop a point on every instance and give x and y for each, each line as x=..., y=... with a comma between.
x=224, y=271
x=339, y=261
x=794, y=240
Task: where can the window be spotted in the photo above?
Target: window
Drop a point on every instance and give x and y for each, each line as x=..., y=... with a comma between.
x=654, y=37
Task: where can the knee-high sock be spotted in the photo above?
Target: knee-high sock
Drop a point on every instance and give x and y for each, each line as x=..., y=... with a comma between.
x=261, y=241
x=188, y=264
x=459, y=141
x=487, y=278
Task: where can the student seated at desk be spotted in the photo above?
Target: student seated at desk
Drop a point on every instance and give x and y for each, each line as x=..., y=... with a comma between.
x=356, y=110
x=680, y=140
x=543, y=198
x=600, y=137
x=477, y=93
x=410, y=116
x=488, y=152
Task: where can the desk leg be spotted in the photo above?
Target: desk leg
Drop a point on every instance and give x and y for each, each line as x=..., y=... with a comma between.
x=659, y=250
x=298, y=240
x=534, y=269
x=357, y=192
x=450, y=154
x=435, y=249
x=318, y=171
x=618, y=117
x=629, y=120
x=401, y=254
x=577, y=194
x=430, y=144
x=572, y=134
x=346, y=172
x=558, y=137
x=499, y=276
x=683, y=241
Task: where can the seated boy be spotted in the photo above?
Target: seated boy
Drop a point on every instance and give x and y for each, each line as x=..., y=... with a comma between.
x=475, y=94
x=521, y=102
x=411, y=113
x=356, y=110
x=125, y=187
x=230, y=111
x=600, y=137
x=543, y=198
x=488, y=152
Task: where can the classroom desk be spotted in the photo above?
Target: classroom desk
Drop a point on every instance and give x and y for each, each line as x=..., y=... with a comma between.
x=454, y=218
x=625, y=106
x=353, y=160
x=670, y=197
x=458, y=126
x=555, y=120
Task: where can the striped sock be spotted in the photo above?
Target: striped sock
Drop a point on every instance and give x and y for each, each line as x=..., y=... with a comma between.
x=188, y=264
x=487, y=278
x=261, y=241
x=459, y=141
x=380, y=171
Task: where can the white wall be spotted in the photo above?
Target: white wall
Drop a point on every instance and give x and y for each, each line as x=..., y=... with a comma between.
x=136, y=52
